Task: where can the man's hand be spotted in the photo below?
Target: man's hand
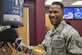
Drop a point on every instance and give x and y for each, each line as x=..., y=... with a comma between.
x=24, y=47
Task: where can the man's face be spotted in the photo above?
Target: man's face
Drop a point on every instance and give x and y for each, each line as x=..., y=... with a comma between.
x=55, y=14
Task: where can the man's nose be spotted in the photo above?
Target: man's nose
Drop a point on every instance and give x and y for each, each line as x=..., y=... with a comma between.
x=52, y=14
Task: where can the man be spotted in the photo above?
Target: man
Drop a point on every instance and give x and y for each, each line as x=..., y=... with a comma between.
x=63, y=39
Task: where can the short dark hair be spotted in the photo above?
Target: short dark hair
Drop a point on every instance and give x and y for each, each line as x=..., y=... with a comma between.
x=68, y=22
x=58, y=3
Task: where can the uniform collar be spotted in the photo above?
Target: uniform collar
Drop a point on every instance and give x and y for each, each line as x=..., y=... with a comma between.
x=59, y=28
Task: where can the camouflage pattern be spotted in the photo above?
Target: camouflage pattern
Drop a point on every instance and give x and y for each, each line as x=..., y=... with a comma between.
x=64, y=40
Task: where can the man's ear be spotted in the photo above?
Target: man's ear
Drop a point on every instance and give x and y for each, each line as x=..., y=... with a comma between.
x=63, y=12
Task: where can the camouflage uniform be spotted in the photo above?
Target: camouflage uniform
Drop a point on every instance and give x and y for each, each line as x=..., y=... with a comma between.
x=64, y=40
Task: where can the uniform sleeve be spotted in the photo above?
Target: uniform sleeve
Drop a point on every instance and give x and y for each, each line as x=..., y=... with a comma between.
x=43, y=45
x=29, y=50
x=74, y=43
x=45, y=42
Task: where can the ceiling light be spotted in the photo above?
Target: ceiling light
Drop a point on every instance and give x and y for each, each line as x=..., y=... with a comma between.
x=77, y=3
x=49, y=2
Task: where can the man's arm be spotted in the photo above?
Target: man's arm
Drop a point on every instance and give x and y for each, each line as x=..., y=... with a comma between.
x=74, y=46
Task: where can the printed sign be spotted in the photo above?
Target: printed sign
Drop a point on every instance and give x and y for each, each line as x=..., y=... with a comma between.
x=13, y=10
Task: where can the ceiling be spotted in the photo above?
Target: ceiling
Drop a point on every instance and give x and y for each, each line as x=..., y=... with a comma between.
x=67, y=3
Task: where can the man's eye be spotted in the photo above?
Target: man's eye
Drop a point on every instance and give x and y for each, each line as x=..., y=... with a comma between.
x=50, y=12
x=55, y=12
